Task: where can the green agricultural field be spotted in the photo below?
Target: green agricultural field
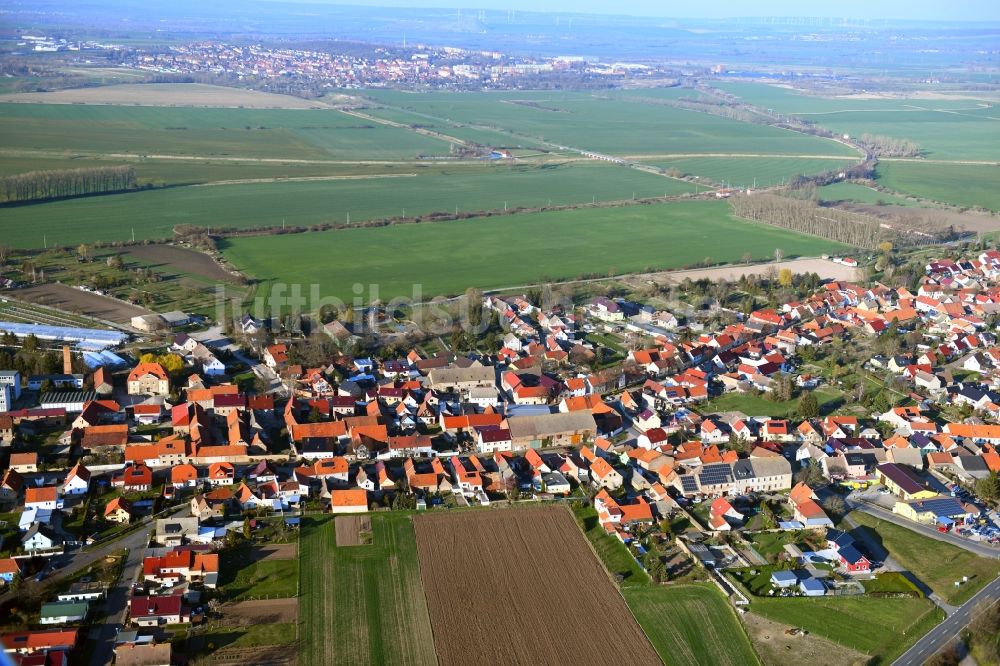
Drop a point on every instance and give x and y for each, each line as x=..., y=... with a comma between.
x=883, y=627
x=746, y=171
x=258, y=133
x=793, y=102
x=154, y=213
x=363, y=604
x=951, y=129
x=482, y=136
x=859, y=193
x=690, y=625
x=606, y=123
x=970, y=185
x=505, y=251
x=935, y=563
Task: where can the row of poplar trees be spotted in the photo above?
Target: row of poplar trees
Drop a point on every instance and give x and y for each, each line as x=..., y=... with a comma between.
x=41, y=185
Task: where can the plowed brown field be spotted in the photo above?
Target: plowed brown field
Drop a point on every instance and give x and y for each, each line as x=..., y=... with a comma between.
x=522, y=586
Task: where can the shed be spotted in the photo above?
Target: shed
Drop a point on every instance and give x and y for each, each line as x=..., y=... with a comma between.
x=784, y=579
x=812, y=587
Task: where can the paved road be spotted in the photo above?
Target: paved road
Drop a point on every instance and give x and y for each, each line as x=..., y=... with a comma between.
x=83, y=558
x=944, y=633
x=977, y=547
x=116, y=604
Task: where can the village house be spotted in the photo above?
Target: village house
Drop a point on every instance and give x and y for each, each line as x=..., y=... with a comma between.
x=148, y=379
x=118, y=510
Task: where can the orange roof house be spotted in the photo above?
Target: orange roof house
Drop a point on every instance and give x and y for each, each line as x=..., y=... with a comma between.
x=185, y=475
x=118, y=510
x=148, y=378
x=354, y=500
x=101, y=436
x=43, y=495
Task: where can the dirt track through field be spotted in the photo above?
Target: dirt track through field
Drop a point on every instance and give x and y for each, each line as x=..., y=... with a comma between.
x=522, y=586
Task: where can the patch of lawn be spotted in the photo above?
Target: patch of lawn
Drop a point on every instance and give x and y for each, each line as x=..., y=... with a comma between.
x=772, y=544
x=243, y=576
x=891, y=582
x=829, y=399
x=254, y=635
x=935, y=563
x=750, y=171
x=845, y=191
x=757, y=580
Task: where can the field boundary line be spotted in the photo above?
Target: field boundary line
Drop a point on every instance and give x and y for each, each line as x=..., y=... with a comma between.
x=302, y=179
x=618, y=588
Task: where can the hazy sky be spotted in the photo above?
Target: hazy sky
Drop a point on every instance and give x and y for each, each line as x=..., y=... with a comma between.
x=968, y=10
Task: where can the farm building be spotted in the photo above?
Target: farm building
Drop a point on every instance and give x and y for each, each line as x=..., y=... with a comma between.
x=462, y=379
x=903, y=482
x=941, y=510
x=71, y=401
x=89, y=338
x=551, y=429
x=148, y=323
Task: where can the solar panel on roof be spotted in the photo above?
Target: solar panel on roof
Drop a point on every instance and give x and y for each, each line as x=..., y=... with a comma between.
x=941, y=506
x=689, y=484
x=715, y=474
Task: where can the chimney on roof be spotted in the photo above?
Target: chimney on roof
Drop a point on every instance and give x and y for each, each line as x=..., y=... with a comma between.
x=67, y=361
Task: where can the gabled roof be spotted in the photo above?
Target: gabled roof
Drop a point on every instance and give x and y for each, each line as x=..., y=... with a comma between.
x=144, y=369
x=354, y=497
